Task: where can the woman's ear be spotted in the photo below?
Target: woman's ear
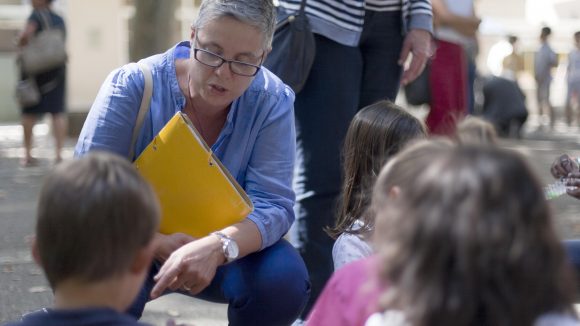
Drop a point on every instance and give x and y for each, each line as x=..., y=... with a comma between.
x=266, y=52
x=192, y=35
x=143, y=259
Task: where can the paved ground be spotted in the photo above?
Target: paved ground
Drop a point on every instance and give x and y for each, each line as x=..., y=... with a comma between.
x=23, y=287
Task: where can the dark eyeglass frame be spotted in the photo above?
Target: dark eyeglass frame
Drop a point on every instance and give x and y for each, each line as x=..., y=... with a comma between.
x=196, y=50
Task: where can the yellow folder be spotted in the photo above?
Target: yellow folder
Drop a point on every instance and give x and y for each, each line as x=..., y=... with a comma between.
x=198, y=195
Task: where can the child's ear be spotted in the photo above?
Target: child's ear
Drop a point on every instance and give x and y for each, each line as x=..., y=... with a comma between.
x=143, y=259
x=34, y=250
x=394, y=192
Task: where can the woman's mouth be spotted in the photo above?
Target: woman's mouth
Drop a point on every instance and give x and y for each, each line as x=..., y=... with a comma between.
x=217, y=88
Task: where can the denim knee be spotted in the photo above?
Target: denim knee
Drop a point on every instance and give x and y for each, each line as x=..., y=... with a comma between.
x=273, y=289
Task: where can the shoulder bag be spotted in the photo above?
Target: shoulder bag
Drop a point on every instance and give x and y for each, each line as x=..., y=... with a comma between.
x=46, y=50
x=418, y=92
x=293, y=49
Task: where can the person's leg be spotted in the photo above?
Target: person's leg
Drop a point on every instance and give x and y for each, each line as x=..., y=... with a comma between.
x=543, y=95
x=539, y=102
x=549, y=107
x=28, y=121
x=59, y=126
x=381, y=44
x=447, y=80
x=269, y=287
x=572, y=248
x=323, y=111
x=568, y=106
x=471, y=75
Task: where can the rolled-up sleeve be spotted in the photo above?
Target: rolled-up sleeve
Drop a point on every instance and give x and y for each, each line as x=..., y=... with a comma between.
x=270, y=169
x=420, y=15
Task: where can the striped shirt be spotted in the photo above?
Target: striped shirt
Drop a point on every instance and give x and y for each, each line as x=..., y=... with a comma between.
x=343, y=20
x=383, y=5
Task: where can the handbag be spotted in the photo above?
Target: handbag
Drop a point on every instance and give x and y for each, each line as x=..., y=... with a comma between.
x=418, y=92
x=293, y=49
x=27, y=93
x=46, y=50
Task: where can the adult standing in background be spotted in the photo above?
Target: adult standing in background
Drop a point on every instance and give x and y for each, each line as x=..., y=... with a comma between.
x=513, y=63
x=50, y=83
x=544, y=60
x=455, y=29
x=361, y=47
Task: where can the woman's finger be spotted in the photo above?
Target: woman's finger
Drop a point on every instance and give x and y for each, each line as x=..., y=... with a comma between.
x=164, y=279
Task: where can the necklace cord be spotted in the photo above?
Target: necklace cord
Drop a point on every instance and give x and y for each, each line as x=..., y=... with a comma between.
x=193, y=111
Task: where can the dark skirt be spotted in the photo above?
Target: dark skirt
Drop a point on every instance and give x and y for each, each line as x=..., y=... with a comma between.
x=52, y=85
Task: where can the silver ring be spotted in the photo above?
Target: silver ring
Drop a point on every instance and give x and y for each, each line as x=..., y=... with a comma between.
x=186, y=288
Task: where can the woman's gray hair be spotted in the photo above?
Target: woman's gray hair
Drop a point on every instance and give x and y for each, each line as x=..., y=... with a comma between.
x=256, y=13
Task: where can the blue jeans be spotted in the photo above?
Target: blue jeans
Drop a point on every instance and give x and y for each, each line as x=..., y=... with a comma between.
x=343, y=79
x=572, y=248
x=269, y=287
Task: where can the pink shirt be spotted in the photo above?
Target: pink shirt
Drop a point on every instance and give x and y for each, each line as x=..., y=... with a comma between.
x=350, y=296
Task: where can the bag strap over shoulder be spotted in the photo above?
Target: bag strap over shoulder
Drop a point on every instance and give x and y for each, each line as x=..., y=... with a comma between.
x=302, y=7
x=144, y=108
x=45, y=19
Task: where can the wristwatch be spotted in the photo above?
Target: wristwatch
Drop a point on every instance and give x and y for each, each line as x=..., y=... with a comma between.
x=229, y=246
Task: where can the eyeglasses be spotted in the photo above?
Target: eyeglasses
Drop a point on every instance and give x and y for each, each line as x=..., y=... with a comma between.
x=213, y=60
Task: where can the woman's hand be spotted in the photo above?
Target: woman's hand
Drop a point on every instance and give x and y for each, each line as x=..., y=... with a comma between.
x=419, y=43
x=167, y=244
x=563, y=166
x=191, y=267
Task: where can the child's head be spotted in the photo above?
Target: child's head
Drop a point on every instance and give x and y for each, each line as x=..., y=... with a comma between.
x=406, y=166
x=95, y=215
x=376, y=133
x=545, y=33
x=469, y=241
x=512, y=39
x=474, y=130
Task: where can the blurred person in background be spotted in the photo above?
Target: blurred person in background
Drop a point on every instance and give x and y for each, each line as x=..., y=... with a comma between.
x=504, y=105
x=51, y=84
x=455, y=30
x=573, y=79
x=544, y=60
x=513, y=63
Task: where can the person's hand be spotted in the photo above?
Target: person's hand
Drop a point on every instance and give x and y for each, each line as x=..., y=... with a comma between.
x=191, y=267
x=573, y=183
x=167, y=244
x=419, y=43
x=563, y=166
x=469, y=26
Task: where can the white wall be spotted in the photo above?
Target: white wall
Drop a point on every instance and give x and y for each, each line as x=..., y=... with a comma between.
x=97, y=44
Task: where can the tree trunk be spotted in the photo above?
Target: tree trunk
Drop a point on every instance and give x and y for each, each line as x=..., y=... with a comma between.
x=154, y=28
